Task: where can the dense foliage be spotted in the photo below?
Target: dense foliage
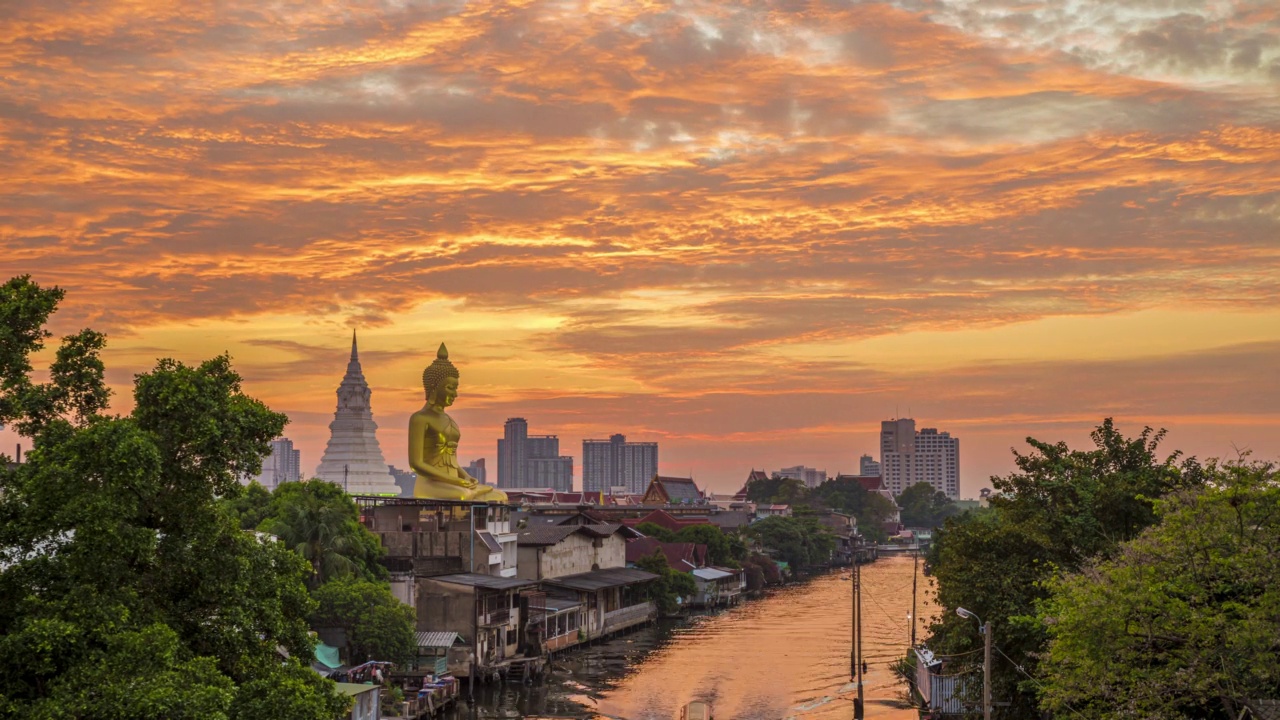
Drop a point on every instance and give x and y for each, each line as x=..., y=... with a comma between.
x=128, y=590
x=1183, y=621
x=671, y=588
x=845, y=495
x=322, y=524
x=377, y=625
x=1062, y=509
x=721, y=549
x=924, y=507
x=801, y=541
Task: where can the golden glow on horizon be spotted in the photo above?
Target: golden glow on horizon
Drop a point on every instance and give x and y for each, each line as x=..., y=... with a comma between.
x=672, y=220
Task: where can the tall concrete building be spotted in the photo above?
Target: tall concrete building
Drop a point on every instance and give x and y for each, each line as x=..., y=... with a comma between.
x=868, y=467
x=353, y=458
x=477, y=470
x=908, y=457
x=615, y=466
x=282, y=465
x=532, y=461
x=811, y=477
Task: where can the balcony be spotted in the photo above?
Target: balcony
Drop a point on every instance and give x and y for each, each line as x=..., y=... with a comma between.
x=627, y=616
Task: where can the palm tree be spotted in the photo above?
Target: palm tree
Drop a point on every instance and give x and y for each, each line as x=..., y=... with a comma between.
x=322, y=531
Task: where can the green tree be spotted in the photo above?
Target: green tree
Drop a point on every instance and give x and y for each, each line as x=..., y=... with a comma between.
x=847, y=495
x=251, y=506
x=377, y=625
x=1061, y=509
x=128, y=590
x=719, y=550
x=776, y=490
x=800, y=541
x=1182, y=621
x=322, y=524
x=656, y=531
x=924, y=507
x=670, y=585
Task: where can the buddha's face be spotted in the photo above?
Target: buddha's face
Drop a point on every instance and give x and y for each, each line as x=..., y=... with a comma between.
x=446, y=392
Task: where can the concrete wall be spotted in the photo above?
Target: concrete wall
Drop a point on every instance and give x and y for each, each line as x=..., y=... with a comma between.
x=445, y=607
x=575, y=554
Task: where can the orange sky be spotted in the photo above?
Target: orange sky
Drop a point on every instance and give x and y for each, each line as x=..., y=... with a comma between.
x=749, y=231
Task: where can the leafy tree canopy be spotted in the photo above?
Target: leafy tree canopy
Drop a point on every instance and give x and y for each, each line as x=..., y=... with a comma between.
x=322, y=524
x=656, y=531
x=776, y=490
x=377, y=625
x=1062, y=508
x=670, y=585
x=847, y=495
x=719, y=550
x=924, y=507
x=128, y=590
x=1180, y=622
x=802, y=542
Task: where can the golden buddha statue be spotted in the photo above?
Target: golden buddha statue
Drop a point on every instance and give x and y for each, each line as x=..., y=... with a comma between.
x=433, y=441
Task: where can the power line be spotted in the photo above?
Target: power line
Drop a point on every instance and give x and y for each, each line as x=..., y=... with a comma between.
x=1028, y=676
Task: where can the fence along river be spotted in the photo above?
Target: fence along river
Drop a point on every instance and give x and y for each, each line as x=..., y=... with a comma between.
x=785, y=655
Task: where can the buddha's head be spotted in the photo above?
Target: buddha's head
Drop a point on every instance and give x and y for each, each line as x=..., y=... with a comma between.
x=440, y=379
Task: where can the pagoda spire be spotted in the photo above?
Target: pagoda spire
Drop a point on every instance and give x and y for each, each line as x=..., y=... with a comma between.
x=355, y=356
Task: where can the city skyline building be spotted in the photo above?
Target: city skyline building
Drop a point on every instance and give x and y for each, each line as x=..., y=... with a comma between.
x=352, y=458
x=811, y=477
x=283, y=464
x=615, y=466
x=532, y=461
x=868, y=466
x=477, y=470
x=908, y=457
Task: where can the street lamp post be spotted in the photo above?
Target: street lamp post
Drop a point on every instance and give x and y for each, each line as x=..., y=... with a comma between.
x=985, y=629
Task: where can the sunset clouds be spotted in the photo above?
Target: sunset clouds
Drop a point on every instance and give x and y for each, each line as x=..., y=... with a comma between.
x=717, y=225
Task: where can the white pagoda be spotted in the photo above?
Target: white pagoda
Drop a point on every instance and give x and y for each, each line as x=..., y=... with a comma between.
x=353, y=459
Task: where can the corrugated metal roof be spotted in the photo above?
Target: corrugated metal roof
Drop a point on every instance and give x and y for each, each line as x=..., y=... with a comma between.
x=491, y=582
x=711, y=574
x=598, y=579
x=436, y=639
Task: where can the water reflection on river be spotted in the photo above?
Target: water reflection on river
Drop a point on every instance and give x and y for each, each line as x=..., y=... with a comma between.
x=782, y=656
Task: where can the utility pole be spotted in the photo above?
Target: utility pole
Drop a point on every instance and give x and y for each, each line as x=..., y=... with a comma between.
x=986, y=673
x=915, y=569
x=857, y=629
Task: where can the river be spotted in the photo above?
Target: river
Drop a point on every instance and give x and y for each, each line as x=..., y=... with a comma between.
x=785, y=655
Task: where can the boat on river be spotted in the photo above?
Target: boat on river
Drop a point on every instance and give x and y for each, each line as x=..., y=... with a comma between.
x=696, y=710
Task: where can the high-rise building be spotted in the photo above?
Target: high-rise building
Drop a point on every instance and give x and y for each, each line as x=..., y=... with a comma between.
x=532, y=461
x=282, y=465
x=615, y=465
x=477, y=470
x=868, y=467
x=353, y=458
x=908, y=457
x=811, y=477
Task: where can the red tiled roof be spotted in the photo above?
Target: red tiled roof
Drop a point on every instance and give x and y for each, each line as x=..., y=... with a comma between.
x=681, y=556
x=664, y=519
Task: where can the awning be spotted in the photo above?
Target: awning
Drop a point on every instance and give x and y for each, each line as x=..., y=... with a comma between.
x=600, y=579
x=327, y=655
x=711, y=574
x=436, y=639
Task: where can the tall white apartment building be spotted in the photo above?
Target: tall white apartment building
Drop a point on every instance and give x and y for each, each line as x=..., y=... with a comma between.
x=615, y=465
x=868, y=467
x=811, y=477
x=908, y=457
x=283, y=465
